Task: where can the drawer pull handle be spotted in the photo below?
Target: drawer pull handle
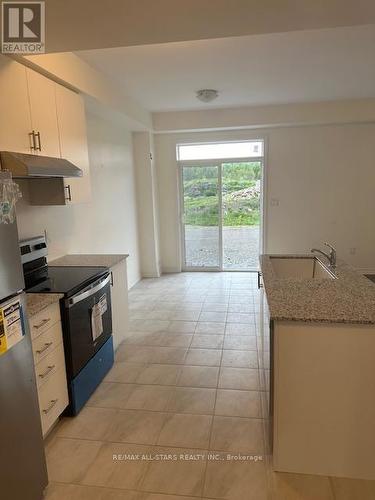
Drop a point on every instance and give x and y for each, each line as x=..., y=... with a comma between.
x=49, y=369
x=46, y=346
x=43, y=322
x=52, y=404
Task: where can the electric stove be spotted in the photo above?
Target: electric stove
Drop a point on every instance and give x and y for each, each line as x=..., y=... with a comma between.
x=86, y=316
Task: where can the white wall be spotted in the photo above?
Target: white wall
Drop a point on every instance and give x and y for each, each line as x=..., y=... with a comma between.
x=323, y=177
x=267, y=116
x=143, y=150
x=108, y=224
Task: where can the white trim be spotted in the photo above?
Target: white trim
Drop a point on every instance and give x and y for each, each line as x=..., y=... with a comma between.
x=221, y=161
x=151, y=275
x=219, y=141
x=181, y=217
x=170, y=270
x=220, y=213
x=264, y=195
x=210, y=143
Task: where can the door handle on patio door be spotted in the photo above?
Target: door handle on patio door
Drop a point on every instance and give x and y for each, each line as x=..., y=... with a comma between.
x=260, y=284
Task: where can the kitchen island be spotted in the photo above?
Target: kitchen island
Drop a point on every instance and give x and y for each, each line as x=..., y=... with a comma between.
x=322, y=361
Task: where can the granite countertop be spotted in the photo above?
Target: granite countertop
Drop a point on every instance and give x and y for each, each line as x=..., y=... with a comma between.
x=92, y=260
x=36, y=302
x=348, y=299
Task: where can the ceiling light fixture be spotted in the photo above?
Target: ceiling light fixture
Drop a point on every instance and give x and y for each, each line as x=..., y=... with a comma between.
x=207, y=95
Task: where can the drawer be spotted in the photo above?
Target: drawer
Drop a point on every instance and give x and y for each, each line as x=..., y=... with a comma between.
x=53, y=399
x=50, y=364
x=44, y=320
x=47, y=342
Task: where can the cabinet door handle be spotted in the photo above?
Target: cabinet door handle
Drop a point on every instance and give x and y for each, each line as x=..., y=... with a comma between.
x=49, y=369
x=39, y=146
x=42, y=323
x=33, y=141
x=112, y=282
x=47, y=345
x=260, y=284
x=69, y=197
x=51, y=405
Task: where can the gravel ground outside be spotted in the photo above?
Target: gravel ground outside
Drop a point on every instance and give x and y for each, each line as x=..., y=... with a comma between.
x=240, y=243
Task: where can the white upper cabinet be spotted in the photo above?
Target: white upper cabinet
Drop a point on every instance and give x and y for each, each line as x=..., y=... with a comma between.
x=42, y=97
x=39, y=116
x=73, y=142
x=15, y=120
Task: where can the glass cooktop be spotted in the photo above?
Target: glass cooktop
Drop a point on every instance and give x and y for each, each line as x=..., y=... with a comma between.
x=67, y=280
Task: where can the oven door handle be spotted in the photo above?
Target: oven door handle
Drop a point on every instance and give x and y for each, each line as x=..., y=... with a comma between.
x=88, y=293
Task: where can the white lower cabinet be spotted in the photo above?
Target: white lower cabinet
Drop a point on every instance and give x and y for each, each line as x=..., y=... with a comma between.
x=53, y=399
x=119, y=299
x=49, y=360
x=50, y=365
x=47, y=342
x=323, y=405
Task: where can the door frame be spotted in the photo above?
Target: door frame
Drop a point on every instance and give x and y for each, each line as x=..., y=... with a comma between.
x=218, y=163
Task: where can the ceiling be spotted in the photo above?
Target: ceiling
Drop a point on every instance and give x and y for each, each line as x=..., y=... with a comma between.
x=94, y=24
x=299, y=66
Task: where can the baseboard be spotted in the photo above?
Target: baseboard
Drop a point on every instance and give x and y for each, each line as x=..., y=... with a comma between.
x=150, y=275
x=169, y=270
x=365, y=270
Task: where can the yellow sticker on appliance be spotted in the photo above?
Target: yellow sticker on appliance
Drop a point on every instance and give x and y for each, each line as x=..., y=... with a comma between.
x=3, y=339
x=11, y=328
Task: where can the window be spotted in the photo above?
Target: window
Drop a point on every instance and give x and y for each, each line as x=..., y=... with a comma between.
x=212, y=151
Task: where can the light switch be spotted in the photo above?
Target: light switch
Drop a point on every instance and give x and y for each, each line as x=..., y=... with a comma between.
x=274, y=202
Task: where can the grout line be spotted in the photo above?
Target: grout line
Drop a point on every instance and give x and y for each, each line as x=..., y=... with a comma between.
x=232, y=388
x=332, y=487
x=212, y=425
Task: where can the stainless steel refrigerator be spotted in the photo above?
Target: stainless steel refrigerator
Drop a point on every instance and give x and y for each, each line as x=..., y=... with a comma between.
x=22, y=460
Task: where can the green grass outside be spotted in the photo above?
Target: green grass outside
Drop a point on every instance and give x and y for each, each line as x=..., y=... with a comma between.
x=200, y=200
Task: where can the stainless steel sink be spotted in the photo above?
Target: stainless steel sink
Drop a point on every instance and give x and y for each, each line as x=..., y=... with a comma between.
x=300, y=268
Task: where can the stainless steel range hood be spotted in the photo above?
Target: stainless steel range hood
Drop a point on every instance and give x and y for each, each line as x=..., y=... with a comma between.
x=25, y=166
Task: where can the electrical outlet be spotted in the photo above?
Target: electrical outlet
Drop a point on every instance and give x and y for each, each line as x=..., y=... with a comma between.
x=275, y=202
x=352, y=251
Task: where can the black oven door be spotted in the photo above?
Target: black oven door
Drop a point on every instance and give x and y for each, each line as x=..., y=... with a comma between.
x=87, y=323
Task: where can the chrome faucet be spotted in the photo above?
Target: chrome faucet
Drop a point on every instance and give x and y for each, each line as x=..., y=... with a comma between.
x=331, y=256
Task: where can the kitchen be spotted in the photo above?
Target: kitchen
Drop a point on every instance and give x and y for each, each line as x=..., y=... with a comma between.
x=128, y=350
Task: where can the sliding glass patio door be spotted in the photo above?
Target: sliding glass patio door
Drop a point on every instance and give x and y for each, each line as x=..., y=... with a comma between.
x=241, y=215
x=201, y=216
x=221, y=214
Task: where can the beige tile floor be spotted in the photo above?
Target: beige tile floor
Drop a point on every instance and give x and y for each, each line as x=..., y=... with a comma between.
x=183, y=412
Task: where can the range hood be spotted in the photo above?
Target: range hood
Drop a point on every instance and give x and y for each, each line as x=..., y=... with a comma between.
x=26, y=166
